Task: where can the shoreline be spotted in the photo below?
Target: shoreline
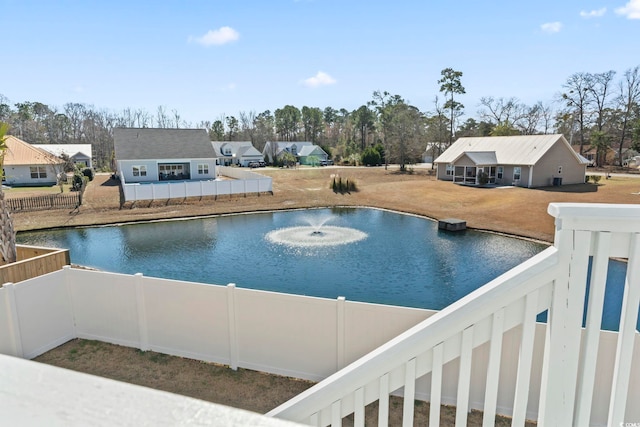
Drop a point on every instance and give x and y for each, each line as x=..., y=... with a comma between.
x=516, y=212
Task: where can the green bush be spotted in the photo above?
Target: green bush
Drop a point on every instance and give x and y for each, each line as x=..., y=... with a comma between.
x=88, y=172
x=76, y=183
x=371, y=157
x=596, y=178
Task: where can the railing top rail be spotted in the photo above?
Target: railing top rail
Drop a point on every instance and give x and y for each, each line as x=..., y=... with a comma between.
x=596, y=216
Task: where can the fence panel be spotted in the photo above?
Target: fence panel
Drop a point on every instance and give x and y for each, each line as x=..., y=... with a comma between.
x=187, y=319
x=41, y=312
x=43, y=202
x=299, y=336
x=32, y=262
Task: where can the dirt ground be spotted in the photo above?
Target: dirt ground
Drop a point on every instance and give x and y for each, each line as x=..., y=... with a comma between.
x=516, y=211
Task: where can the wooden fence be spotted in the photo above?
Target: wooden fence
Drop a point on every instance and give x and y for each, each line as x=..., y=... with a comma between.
x=33, y=261
x=48, y=201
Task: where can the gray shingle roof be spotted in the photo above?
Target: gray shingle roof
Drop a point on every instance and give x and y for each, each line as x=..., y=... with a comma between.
x=144, y=144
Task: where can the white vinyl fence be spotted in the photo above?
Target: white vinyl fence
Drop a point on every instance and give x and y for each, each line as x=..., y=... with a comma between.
x=243, y=182
x=298, y=336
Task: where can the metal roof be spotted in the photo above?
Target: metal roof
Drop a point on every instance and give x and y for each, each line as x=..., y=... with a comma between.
x=509, y=150
x=148, y=144
x=20, y=153
x=66, y=149
x=481, y=158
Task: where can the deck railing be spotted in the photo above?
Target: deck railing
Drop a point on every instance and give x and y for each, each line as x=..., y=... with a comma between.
x=555, y=282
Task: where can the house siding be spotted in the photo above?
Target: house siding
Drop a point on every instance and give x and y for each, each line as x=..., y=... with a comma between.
x=211, y=163
x=547, y=167
x=441, y=172
x=125, y=167
x=20, y=175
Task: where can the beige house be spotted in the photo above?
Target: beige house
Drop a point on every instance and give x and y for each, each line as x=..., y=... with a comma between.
x=523, y=160
x=27, y=165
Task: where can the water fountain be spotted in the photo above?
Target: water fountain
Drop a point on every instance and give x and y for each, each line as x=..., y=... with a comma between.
x=315, y=234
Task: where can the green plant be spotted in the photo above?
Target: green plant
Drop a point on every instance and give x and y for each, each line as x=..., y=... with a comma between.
x=88, y=172
x=371, y=157
x=596, y=178
x=483, y=178
x=76, y=183
x=338, y=185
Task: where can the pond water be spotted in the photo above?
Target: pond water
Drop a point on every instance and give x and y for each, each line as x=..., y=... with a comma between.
x=366, y=255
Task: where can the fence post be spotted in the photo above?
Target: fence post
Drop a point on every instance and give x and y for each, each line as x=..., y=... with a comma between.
x=143, y=330
x=340, y=333
x=67, y=272
x=13, y=322
x=233, y=334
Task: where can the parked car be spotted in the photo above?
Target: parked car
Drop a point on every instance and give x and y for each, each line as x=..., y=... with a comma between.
x=326, y=162
x=254, y=164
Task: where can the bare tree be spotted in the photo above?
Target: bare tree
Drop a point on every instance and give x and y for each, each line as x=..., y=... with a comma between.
x=600, y=90
x=578, y=99
x=247, y=125
x=162, y=119
x=627, y=99
x=177, y=121
x=500, y=111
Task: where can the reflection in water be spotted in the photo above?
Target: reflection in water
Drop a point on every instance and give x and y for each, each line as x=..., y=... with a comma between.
x=404, y=259
x=172, y=238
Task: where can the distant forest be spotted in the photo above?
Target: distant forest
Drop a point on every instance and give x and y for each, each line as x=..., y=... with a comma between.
x=592, y=110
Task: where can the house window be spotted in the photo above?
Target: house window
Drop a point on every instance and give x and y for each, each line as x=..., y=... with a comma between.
x=500, y=172
x=38, y=172
x=517, y=171
x=203, y=169
x=449, y=171
x=140, y=170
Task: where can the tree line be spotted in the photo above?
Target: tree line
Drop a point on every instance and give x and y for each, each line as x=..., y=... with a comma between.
x=591, y=110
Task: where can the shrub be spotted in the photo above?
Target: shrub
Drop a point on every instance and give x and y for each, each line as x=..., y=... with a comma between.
x=76, y=183
x=88, y=172
x=483, y=178
x=338, y=185
x=371, y=157
x=596, y=178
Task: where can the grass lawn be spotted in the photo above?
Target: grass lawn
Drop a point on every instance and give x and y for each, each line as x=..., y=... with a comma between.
x=35, y=191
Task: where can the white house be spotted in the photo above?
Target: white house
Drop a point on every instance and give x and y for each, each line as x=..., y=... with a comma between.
x=151, y=155
x=28, y=165
x=523, y=160
x=80, y=154
x=306, y=153
x=239, y=153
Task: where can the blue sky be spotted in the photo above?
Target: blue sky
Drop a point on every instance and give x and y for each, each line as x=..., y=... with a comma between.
x=209, y=58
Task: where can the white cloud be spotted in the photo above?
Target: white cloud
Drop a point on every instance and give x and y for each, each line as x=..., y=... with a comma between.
x=320, y=79
x=551, y=27
x=631, y=10
x=594, y=13
x=228, y=87
x=217, y=37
